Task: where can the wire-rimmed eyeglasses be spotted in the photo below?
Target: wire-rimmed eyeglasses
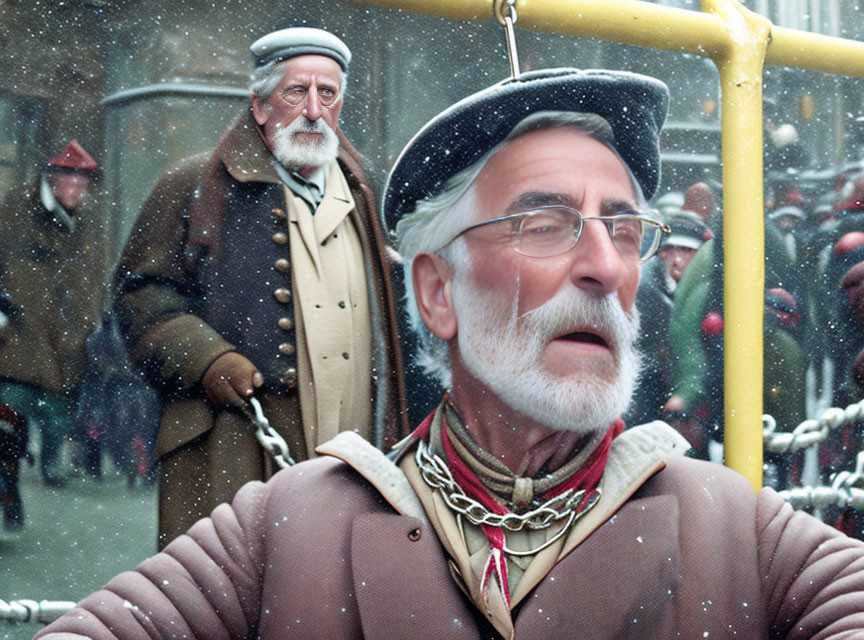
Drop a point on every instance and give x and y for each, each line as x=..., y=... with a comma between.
x=555, y=229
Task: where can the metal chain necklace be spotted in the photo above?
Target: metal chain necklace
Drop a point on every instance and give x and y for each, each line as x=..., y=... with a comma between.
x=436, y=474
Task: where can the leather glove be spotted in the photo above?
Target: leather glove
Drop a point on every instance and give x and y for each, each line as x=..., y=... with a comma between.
x=231, y=379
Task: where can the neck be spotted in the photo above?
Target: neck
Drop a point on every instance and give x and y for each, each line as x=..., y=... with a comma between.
x=521, y=443
x=306, y=171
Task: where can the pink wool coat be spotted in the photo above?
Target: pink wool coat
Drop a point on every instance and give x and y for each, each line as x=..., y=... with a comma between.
x=317, y=552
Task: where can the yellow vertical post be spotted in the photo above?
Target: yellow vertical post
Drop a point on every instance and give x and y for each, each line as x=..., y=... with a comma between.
x=743, y=232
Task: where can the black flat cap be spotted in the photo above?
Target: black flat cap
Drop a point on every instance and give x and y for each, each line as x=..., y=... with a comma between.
x=634, y=105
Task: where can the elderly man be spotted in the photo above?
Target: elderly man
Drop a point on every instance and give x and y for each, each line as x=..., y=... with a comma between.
x=262, y=269
x=518, y=508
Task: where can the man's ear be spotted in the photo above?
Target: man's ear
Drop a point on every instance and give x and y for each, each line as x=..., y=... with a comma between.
x=432, y=290
x=260, y=110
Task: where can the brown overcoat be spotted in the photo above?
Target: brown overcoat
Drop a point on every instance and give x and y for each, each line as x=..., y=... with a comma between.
x=166, y=281
x=55, y=281
x=319, y=552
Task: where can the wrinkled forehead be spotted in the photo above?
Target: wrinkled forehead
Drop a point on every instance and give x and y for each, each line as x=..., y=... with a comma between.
x=305, y=67
x=556, y=165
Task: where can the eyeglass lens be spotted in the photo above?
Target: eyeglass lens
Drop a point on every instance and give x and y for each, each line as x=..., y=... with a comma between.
x=553, y=231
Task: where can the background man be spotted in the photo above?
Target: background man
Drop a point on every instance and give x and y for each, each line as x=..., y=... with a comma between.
x=518, y=508
x=52, y=270
x=262, y=269
x=654, y=300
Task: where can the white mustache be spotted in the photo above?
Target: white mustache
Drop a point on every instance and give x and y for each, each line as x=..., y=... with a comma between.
x=573, y=309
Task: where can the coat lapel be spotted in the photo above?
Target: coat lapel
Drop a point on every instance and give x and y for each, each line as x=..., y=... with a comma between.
x=636, y=455
x=640, y=541
x=403, y=586
x=337, y=203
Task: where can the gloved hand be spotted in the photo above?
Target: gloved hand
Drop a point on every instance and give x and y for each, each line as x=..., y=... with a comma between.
x=231, y=379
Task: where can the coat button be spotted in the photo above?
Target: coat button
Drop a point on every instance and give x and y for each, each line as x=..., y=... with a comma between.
x=414, y=534
x=341, y=304
x=280, y=237
x=289, y=377
x=286, y=324
x=282, y=265
x=286, y=348
x=282, y=295
x=279, y=213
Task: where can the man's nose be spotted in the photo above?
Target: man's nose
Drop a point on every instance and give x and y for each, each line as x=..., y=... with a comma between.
x=598, y=266
x=313, y=105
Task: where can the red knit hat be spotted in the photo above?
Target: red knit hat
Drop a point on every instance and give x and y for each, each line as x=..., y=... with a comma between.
x=74, y=157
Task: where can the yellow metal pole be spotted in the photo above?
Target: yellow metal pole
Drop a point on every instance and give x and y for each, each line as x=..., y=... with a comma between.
x=650, y=25
x=625, y=21
x=816, y=52
x=743, y=233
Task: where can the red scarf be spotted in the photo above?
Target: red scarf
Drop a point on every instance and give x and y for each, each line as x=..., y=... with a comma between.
x=586, y=478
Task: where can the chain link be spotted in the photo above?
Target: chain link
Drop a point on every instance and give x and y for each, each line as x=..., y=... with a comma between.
x=845, y=490
x=809, y=432
x=44, y=611
x=268, y=438
x=436, y=474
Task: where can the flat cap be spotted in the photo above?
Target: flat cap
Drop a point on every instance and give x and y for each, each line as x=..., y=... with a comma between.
x=634, y=105
x=297, y=41
x=688, y=229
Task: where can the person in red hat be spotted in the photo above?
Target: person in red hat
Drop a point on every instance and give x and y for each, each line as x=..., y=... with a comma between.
x=53, y=265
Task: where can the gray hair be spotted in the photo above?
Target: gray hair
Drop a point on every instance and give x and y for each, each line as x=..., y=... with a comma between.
x=268, y=76
x=434, y=222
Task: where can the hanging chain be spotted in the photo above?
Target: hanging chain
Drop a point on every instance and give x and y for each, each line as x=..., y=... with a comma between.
x=809, y=432
x=505, y=14
x=44, y=611
x=436, y=474
x=845, y=490
x=270, y=441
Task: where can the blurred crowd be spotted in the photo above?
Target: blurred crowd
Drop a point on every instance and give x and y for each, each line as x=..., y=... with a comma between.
x=813, y=322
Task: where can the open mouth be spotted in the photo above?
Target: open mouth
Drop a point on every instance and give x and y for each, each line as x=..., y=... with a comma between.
x=585, y=337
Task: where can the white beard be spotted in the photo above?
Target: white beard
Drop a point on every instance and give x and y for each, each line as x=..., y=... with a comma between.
x=294, y=155
x=503, y=352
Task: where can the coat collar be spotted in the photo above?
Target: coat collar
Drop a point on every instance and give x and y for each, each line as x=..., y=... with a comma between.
x=395, y=579
x=246, y=157
x=636, y=455
x=244, y=154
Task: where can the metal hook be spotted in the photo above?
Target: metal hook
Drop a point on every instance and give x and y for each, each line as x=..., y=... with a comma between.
x=505, y=14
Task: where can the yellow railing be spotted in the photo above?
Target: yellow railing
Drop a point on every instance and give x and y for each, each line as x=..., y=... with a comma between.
x=739, y=42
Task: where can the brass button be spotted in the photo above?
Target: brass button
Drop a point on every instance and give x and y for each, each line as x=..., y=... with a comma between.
x=286, y=348
x=282, y=265
x=414, y=534
x=289, y=377
x=286, y=324
x=280, y=237
x=282, y=295
x=279, y=213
